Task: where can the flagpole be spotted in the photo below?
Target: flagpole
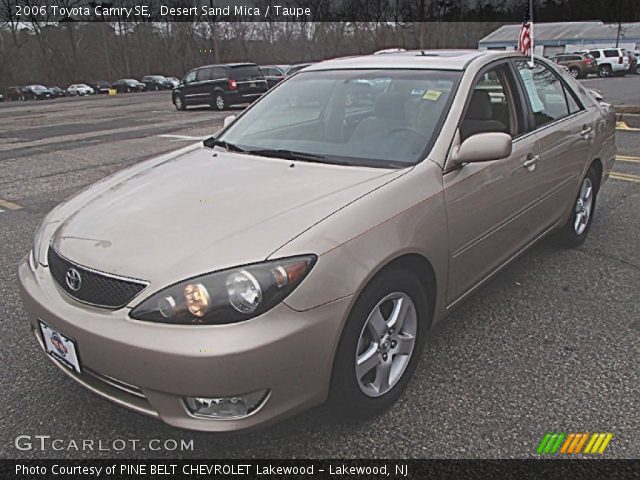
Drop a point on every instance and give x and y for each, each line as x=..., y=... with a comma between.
x=531, y=64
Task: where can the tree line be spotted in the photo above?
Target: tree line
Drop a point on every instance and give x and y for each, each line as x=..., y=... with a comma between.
x=40, y=50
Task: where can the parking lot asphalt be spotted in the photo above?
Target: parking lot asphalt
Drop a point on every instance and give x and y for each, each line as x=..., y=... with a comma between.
x=617, y=90
x=550, y=344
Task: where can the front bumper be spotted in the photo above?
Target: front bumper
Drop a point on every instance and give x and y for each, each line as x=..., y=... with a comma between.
x=150, y=367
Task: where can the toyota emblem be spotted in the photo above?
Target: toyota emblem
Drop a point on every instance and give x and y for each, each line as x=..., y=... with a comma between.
x=73, y=279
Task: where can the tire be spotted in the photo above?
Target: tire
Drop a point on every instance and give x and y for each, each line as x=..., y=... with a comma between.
x=179, y=103
x=156, y=88
x=361, y=394
x=604, y=71
x=219, y=102
x=575, y=231
x=575, y=72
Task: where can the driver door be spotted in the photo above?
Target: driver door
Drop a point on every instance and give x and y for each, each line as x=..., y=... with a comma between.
x=491, y=206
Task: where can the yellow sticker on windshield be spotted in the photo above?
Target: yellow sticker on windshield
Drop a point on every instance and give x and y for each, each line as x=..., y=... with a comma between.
x=432, y=95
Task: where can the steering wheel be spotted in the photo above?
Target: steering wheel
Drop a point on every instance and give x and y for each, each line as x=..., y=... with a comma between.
x=410, y=130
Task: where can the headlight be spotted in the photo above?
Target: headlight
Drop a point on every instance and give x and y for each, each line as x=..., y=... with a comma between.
x=227, y=296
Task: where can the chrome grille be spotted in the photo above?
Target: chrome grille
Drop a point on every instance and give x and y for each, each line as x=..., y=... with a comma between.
x=94, y=287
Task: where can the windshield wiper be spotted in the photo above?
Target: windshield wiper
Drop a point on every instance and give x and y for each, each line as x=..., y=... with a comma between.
x=294, y=155
x=214, y=142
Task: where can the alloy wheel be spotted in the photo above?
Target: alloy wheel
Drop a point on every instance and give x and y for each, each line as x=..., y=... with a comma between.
x=219, y=102
x=583, y=206
x=386, y=343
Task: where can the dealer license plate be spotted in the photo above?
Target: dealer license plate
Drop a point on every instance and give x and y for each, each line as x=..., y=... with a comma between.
x=60, y=347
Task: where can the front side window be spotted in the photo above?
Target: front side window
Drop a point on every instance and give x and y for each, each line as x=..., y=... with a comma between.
x=545, y=92
x=359, y=117
x=191, y=77
x=491, y=107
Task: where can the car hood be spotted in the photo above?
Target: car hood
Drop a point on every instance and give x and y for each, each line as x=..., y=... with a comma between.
x=201, y=211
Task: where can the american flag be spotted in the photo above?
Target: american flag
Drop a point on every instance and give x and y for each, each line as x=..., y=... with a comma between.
x=524, y=40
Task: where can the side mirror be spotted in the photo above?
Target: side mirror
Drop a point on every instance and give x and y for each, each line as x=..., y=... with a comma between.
x=483, y=147
x=228, y=121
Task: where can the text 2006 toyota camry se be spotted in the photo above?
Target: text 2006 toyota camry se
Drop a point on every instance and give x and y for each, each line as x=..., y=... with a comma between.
x=303, y=253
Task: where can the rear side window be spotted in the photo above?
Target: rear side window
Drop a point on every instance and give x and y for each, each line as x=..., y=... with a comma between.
x=246, y=72
x=203, y=74
x=574, y=58
x=574, y=107
x=218, y=73
x=612, y=53
x=545, y=91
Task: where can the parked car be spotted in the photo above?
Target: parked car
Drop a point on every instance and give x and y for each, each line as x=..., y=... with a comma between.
x=330, y=241
x=100, y=86
x=579, y=65
x=220, y=86
x=15, y=93
x=79, y=89
x=37, y=92
x=272, y=74
x=174, y=81
x=296, y=68
x=156, y=82
x=127, y=85
x=58, y=92
x=610, y=61
x=633, y=62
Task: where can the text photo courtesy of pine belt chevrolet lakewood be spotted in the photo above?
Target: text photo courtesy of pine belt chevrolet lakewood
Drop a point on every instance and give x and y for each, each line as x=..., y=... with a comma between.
x=303, y=252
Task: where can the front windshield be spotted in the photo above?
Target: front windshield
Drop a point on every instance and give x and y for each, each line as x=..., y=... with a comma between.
x=364, y=117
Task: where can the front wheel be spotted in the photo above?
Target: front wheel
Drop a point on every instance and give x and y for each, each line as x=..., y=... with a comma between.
x=380, y=345
x=574, y=232
x=179, y=102
x=574, y=72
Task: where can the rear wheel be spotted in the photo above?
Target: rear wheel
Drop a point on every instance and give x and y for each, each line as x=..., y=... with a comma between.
x=574, y=232
x=219, y=102
x=380, y=345
x=604, y=71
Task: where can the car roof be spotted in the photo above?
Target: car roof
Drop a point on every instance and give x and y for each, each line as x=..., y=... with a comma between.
x=414, y=59
x=246, y=64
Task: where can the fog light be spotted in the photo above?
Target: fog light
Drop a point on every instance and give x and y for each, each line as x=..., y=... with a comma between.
x=226, y=407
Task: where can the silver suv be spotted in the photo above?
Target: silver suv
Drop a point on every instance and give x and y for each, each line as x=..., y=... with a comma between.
x=611, y=61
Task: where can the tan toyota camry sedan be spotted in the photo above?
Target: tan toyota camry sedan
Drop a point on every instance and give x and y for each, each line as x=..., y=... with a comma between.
x=303, y=252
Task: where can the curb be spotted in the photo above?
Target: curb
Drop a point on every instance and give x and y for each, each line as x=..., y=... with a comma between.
x=627, y=109
x=631, y=118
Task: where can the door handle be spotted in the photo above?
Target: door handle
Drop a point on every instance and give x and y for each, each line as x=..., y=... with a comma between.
x=585, y=132
x=530, y=162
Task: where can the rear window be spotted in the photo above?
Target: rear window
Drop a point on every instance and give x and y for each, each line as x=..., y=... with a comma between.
x=246, y=72
x=612, y=53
